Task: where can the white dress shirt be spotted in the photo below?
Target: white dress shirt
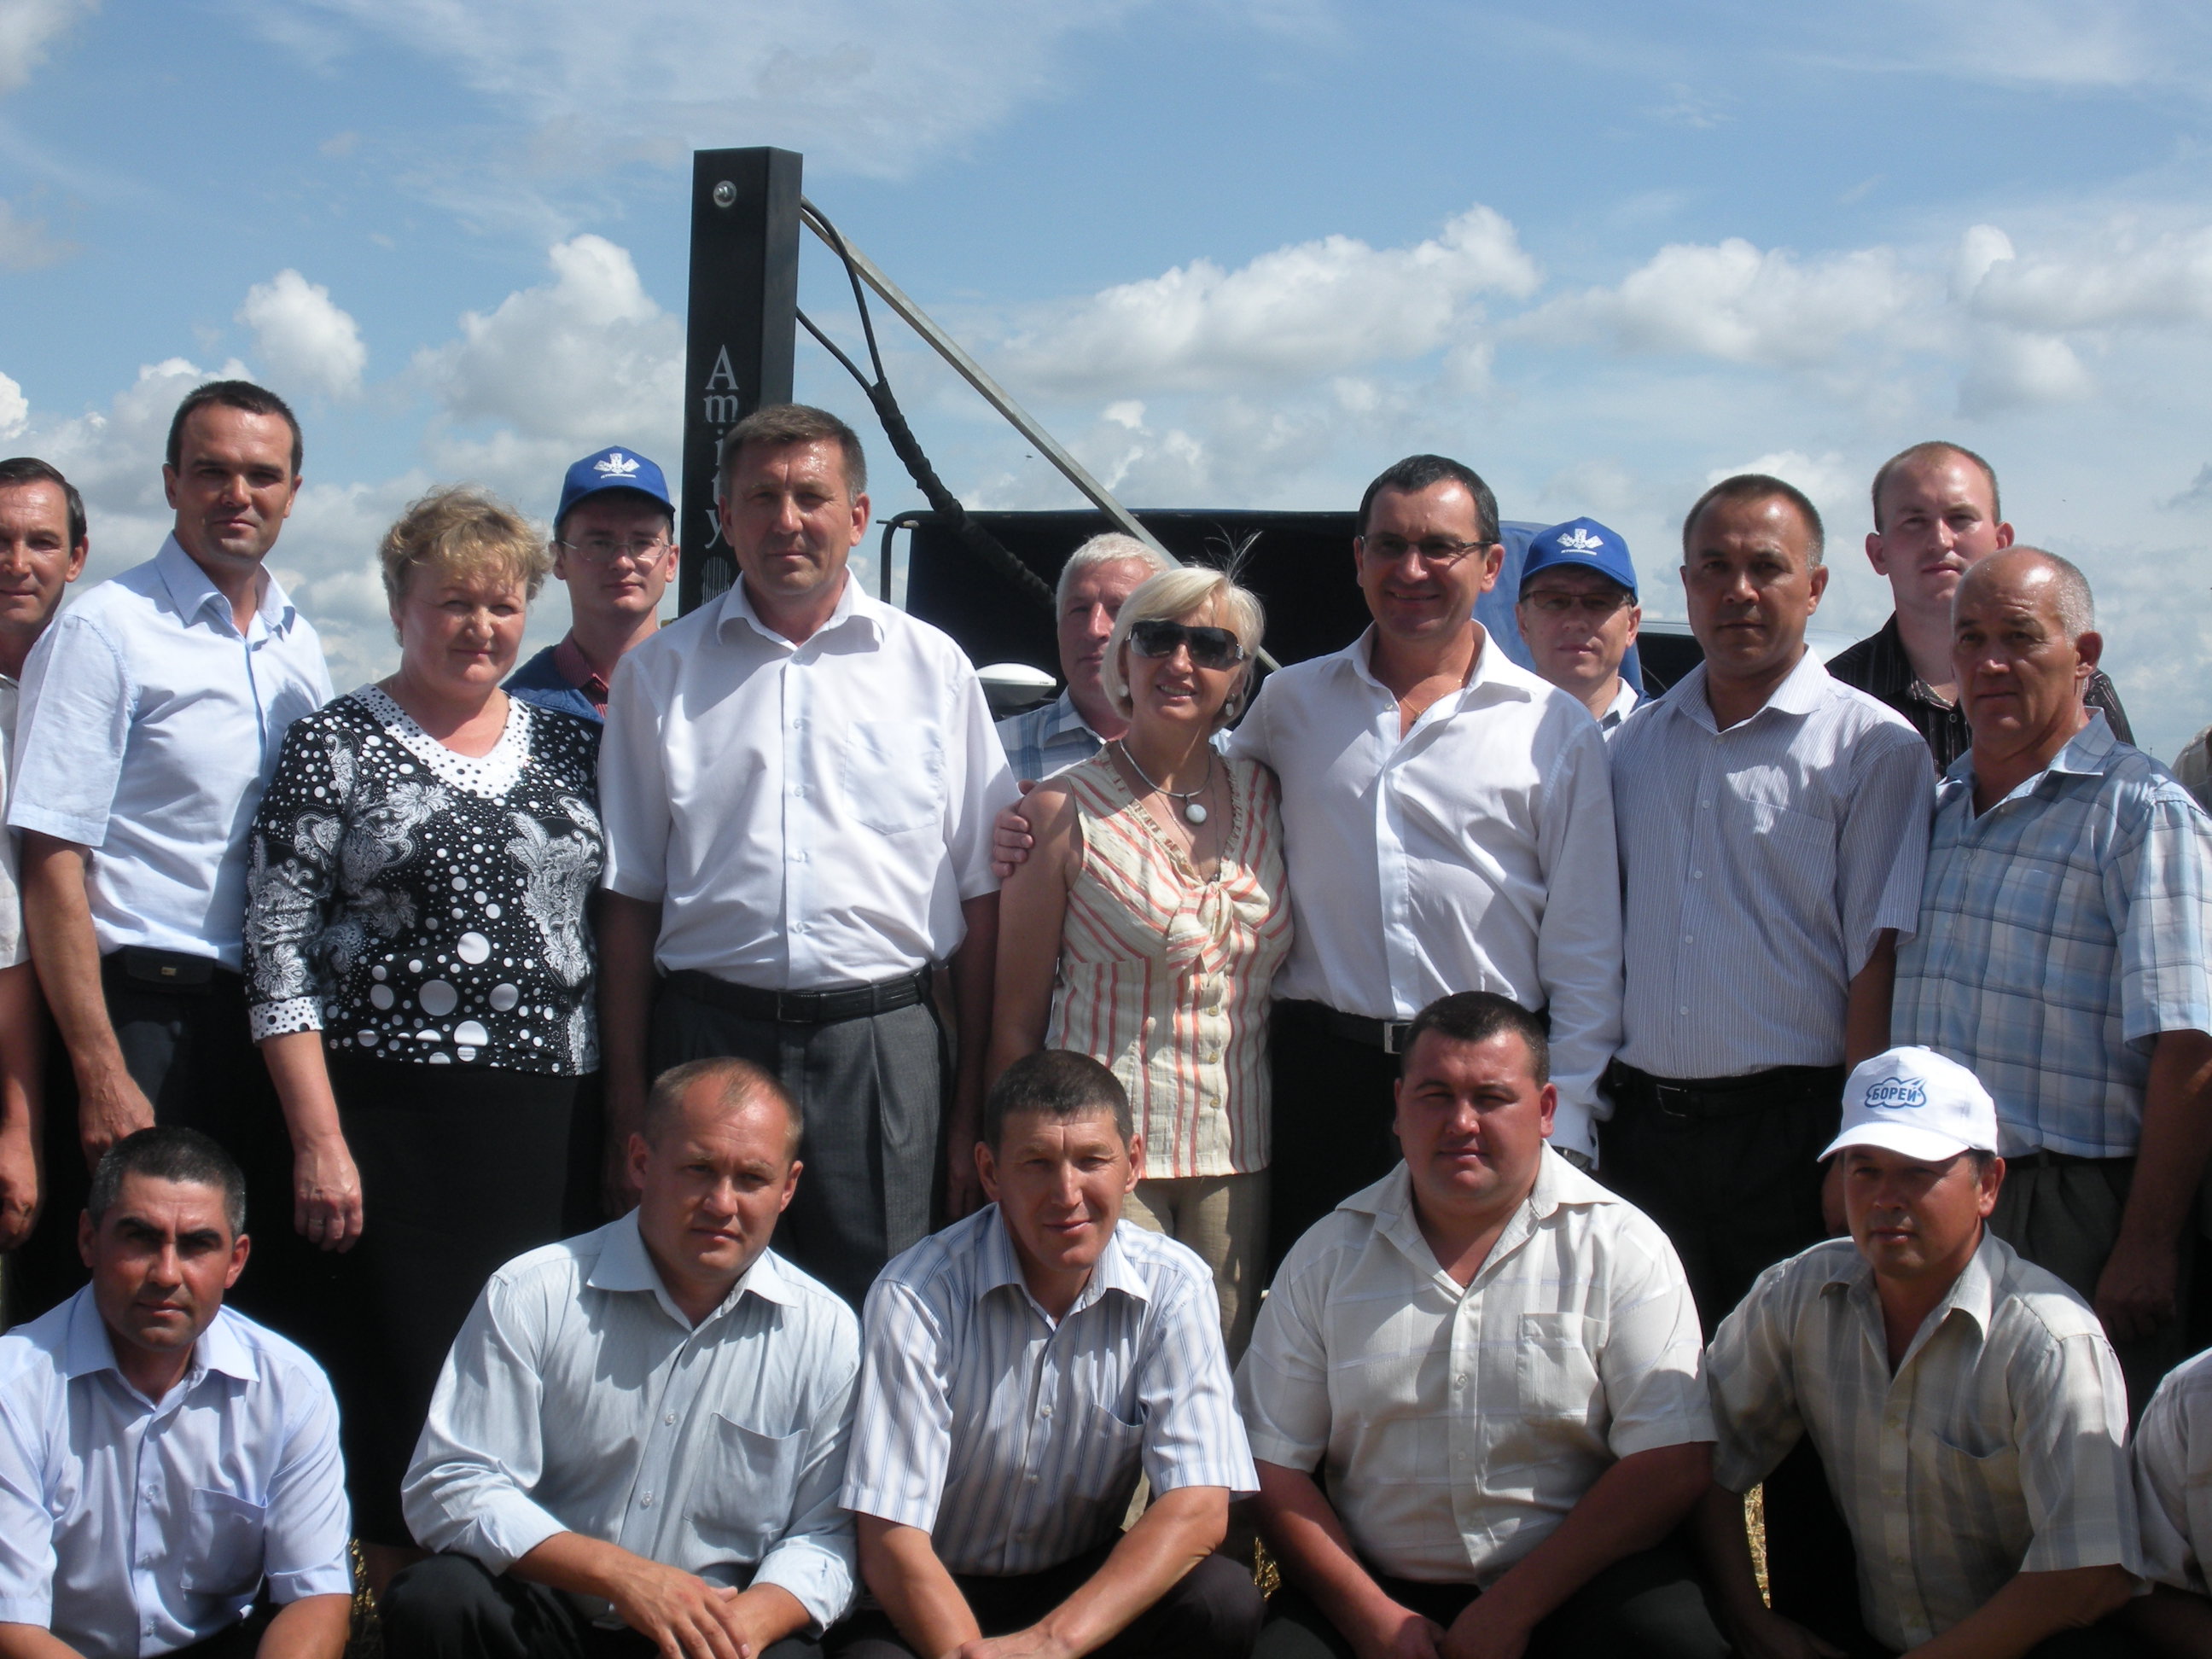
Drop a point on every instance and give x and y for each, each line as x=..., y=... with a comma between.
x=1457, y=1427
x=808, y=815
x=1473, y=854
x=1758, y=867
x=2173, y=1460
x=1997, y=1447
x=577, y=1398
x=1015, y=1441
x=1623, y=702
x=130, y=1526
x=148, y=723
x=14, y=948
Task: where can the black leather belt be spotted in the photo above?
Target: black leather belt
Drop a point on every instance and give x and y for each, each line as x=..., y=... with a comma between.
x=1726, y=1096
x=167, y=971
x=1388, y=1035
x=803, y=1007
x=2042, y=1158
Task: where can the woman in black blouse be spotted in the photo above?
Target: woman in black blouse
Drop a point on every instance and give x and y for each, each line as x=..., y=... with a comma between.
x=419, y=969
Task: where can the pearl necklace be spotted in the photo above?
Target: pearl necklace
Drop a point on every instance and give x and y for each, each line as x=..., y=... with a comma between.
x=1193, y=810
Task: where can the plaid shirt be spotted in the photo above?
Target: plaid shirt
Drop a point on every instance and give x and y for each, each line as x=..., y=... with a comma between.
x=2060, y=932
x=1044, y=739
x=1998, y=1447
x=2173, y=1459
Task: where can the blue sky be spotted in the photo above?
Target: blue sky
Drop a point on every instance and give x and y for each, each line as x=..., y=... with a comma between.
x=1236, y=252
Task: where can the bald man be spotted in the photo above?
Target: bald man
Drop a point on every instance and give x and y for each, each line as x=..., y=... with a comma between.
x=2061, y=957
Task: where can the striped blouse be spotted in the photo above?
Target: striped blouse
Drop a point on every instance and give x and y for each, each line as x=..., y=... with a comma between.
x=1165, y=977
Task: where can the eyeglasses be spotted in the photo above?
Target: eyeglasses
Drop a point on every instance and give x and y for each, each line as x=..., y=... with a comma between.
x=1437, y=553
x=1209, y=648
x=1596, y=606
x=602, y=550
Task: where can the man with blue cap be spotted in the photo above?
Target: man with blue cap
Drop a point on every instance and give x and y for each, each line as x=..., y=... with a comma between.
x=614, y=544
x=1579, y=615
x=1966, y=1406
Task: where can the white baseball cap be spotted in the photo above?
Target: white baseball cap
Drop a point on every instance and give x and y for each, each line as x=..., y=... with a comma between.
x=1915, y=1101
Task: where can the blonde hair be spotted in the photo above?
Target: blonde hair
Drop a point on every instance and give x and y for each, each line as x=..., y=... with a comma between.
x=463, y=532
x=1171, y=596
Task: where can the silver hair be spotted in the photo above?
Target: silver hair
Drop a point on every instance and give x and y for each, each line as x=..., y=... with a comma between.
x=1112, y=548
x=1180, y=592
x=2077, y=606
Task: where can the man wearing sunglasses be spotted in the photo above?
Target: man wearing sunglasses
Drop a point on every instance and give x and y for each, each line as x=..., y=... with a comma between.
x=614, y=544
x=1579, y=615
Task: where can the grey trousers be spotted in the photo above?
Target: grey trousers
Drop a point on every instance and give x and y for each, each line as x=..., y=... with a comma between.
x=870, y=1090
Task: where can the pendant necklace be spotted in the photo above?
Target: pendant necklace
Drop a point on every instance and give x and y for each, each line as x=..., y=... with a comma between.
x=1193, y=810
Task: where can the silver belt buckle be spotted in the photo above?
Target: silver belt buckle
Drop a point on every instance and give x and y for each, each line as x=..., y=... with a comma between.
x=1393, y=1035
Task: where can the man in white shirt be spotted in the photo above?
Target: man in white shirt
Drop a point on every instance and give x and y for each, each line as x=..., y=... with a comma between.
x=2172, y=1456
x=43, y=545
x=1023, y=1368
x=1474, y=1393
x=170, y=1480
x=798, y=783
x=1969, y=1412
x=639, y=1437
x=152, y=709
x=1096, y=578
x=1577, y=615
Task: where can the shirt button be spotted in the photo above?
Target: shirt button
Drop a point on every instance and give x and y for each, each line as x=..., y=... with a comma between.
x=1689, y=939
x=1683, y=1012
x=1696, y=875
x=646, y=1502
x=670, y=1418
x=1030, y=1478
x=1045, y=1412
x=798, y=792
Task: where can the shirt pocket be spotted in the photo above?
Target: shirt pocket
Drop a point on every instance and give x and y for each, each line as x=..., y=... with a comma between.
x=1555, y=1372
x=222, y=1553
x=741, y=1497
x=893, y=776
x=1980, y=1490
x=1109, y=1455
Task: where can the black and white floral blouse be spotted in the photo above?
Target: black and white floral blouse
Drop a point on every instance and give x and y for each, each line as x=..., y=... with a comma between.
x=411, y=903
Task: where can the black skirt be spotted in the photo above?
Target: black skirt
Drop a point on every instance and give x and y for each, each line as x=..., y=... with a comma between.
x=463, y=1168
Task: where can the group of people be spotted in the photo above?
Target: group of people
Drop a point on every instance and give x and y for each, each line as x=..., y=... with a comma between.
x=1421, y=1095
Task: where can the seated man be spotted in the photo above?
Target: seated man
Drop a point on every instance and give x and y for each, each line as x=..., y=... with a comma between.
x=2173, y=1460
x=637, y=1441
x=1497, y=1363
x=170, y=1479
x=1968, y=1407
x=1022, y=1368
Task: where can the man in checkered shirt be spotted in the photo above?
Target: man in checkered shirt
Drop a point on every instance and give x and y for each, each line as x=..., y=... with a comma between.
x=2061, y=957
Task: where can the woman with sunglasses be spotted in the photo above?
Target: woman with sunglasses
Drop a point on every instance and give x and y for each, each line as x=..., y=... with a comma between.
x=1146, y=926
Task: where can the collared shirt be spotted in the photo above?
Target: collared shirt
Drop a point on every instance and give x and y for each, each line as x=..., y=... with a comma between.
x=2173, y=1460
x=148, y=722
x=130, y=1526
x=1015, y=1441
x=1044, y=740
x=577, y=1398
x=1623, y=702
x=1879, y=666
x=1458, y=1426
x=2060, y=932
x=1997, y=1447
x=14, y=948
x=561, y=677
x=1475, y=852
x=807, y=816
x=1759, y=866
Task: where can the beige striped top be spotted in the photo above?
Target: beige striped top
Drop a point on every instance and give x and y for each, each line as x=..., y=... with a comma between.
x=1165, y=977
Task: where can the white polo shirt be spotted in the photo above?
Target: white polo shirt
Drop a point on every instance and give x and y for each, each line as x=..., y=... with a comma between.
x=1458, y=1426
x=807, y=816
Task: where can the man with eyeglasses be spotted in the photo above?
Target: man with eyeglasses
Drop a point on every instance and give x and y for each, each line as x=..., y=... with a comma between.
x=1579, y=615
x=614, y=544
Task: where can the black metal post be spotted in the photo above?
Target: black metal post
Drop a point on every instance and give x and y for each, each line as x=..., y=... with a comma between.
x=739, y=341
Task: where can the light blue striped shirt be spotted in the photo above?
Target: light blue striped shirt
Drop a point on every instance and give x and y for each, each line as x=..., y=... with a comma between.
x=1016, y=1443
x=1042, y=741
x=2060, y=932
x=1758, y=867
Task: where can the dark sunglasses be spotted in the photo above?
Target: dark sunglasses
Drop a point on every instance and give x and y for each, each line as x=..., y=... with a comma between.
x=1210, y=647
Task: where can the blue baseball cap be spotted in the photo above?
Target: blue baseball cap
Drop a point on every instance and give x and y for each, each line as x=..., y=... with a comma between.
x=1583, y=544
x=613, y=469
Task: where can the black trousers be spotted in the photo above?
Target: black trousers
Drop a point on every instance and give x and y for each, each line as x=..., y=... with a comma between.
x=2100, y=1641
x=1212, y=1611
x=1735, y=1183
x=450, y=1607
x=1647, y=1606
x=872, y=1091
x=187, y=1047
x=1332, y=1111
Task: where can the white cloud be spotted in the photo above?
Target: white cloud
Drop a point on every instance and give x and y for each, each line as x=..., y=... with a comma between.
x=27, y=27
x=2011, y=370
x=2117, y=280
x=14, y=409
x=1829, y=479
x=1319, y=307
x=1733, y=302
x=304, y=340
x=25, y=244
